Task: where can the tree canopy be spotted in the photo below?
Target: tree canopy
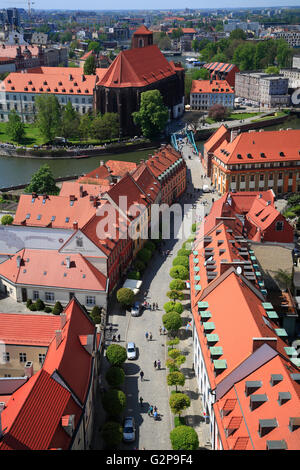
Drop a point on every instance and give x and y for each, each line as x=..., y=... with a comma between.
x=42, y=182
x=15, y=127
x=184, y=438
x=153, y=115
x=48, y=119
x=89, y=67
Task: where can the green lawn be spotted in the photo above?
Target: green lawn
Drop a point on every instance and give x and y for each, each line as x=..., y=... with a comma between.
x=32, y=135
x=278, y=114
x=232, y=117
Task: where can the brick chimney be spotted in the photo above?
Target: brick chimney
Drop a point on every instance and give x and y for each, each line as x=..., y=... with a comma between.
x=75, y=225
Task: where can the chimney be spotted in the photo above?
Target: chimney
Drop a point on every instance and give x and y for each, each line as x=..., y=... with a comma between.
x=68, y=424
x=75, y=225
x=58, y=337
x=70, y=76
x=233, y=135
x=81, y=191
x=63, y=320
x=28, y=369
x=83, y=78
x=18, y=261
x=258, y=342
x=68, y=262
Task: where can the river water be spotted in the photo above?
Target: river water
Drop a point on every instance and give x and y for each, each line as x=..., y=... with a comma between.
x=15, y=171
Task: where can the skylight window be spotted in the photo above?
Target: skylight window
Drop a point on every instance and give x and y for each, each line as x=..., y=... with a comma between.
x=39, y=216
x=67, y=220
x=27, y=216
x=53, y=218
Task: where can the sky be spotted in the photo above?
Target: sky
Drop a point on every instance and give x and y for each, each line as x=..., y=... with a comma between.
x=155, y=4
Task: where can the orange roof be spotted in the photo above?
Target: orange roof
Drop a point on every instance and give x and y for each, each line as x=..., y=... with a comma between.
x=219, y=135
x=110, y=168
x=211, y=86
x=137, y=67
x=30, y=330
x=11, y=50
x=142, y=30
x=77, y=188
x=162, y=160
x=49, y=268
x=260, y=147
x=54, y=211
x=146, y=181
x=184, y=30
x=54, y=80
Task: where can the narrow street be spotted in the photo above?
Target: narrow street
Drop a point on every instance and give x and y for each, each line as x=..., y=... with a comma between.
x=151, y=434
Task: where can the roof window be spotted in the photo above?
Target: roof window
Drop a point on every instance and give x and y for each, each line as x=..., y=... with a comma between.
x=277, y=445
x=27, y=216
x=39, y=216
x=263, y=155
x=281, y=154
x=275, y=379
x=251, y=386
x=266, y=425
x=257, y=400
x=283, y=397
x=294, y=423
x=52, y=218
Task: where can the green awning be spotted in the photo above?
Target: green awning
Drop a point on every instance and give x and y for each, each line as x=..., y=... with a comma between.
x=267, y=306
x=209, y=326
x=257, y=274
x=291, y=351
x=216, y=350
x=280, y=332
x=220, y=364
x=203, y=304
x=272, y=314
x=253, y=258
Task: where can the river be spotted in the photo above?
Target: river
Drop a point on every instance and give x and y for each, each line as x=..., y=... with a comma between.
x=15, y=171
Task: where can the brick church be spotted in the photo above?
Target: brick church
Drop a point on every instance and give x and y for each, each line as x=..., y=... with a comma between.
x=134, y=71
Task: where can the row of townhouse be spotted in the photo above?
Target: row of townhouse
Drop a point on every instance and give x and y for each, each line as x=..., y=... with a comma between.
x=82, y=242
x=48, y=380
x=246, y=369
x=253, y=160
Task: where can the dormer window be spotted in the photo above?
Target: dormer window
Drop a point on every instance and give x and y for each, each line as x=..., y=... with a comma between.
x=86, y=91
x=45, y=83
x=60, y=83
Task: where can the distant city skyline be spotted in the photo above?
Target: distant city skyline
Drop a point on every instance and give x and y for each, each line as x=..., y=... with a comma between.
x=159, y=5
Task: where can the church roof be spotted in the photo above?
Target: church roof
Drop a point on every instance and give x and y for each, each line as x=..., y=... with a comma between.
x=142, y=30
x=137, y=67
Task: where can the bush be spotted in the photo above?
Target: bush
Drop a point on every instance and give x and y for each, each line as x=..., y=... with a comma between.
x=194, y=227
x=39, y=305
x=183, y=252
x=48, y=309
x=115, y=376
x=179, y=272
x=184, y=438
x=177, y=284
x=125, y=296
x=134, y=275
x=175, y=295
x=144, y=255
x=114, y=402
x=116, y=354
x=57, y=309
x=6, y=219
x=32, y=307
x=172, y=321
x=179, y=402
x=28, y=303
x=112, y=433
x=173, y=307
x=181, y=261
x=96, y=314
x=150, y=246
x=179, y=421
x=139, y=265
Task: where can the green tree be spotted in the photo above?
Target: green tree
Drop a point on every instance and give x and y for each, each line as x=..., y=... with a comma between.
x=70, y=122
x=172, y=321
x=144, y=255
x=112, y=433
x=48, y=119
x=173, y=307
x=272, y=70
x=153, y=115
x=173, y=342
x=15, y=127
x=176, y=378
x=181, y=261
x=177, y=284
x=238, y=34
x=116, y=354
x=175, y=295
x=94, y=46
x=125, y=296
x=57, y=309
x=184, y=438
x=114, y=402
x=42, y=182
x=89, y=67
x=115, y=376
x=179, y=402
x=7, y=219
x=179, y=272
x=96, y=314
x=85, y=125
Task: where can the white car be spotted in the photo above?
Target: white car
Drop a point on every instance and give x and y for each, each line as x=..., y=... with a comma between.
x=131, y=351
x=129, y=429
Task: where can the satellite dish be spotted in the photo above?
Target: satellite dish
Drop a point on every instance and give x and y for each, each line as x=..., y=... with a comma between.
x=239, y=270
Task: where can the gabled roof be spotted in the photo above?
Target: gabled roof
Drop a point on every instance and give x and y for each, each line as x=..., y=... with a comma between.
x=142, y=30
x=221, y=133
x=137, y=67
x=31, y=329
x=211, y=86
x=162, y=160
x=146, y=181
x=69, y=188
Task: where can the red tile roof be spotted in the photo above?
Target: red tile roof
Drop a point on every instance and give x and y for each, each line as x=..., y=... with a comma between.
x=146, y=181
x=65, y=211
x=211, y=86
x=137, y=67
x=142, y=30
x=48, y=268
x=30, y=330
x=69, y=188
x=260, y=147
x=162, y=160
x=11, y=50
x=54, y=80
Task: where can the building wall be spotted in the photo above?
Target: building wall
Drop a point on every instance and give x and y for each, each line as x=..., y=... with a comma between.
x=14, y=367
x=263, y=89
x=204, y=101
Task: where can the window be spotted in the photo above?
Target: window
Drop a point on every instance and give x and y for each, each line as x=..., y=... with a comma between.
x=22, y=357
x=42, y=358
x=5, y=357
x=35, y=294
x=79, y=241
x=49, y=296
x=279, y=226
x=90, y=300
x=261, y=177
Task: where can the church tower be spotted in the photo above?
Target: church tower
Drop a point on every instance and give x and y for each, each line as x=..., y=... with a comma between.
x=142, y=38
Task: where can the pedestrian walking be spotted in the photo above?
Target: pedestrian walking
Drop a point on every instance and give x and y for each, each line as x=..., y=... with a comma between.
x=155, y=415
x=160, y=330
x=150, y=336
x=156, y=306
x=155, y=364
x=141, y=401
x=153, y=306
x=146, y=334
x=158, y=364
x=114, y=338
x=148, y=411
x=155, y=409
x=142, y=375
x=151, y=410
x=119, y=337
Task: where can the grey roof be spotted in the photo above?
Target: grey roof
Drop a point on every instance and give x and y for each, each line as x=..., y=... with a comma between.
x=258, y=397
x=276, y=445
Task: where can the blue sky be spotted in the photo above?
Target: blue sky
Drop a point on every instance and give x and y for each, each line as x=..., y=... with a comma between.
x=158, y=4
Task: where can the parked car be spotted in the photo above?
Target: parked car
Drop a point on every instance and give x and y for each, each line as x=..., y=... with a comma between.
x=129, y=429
x=136, y=309
x=131, y=351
